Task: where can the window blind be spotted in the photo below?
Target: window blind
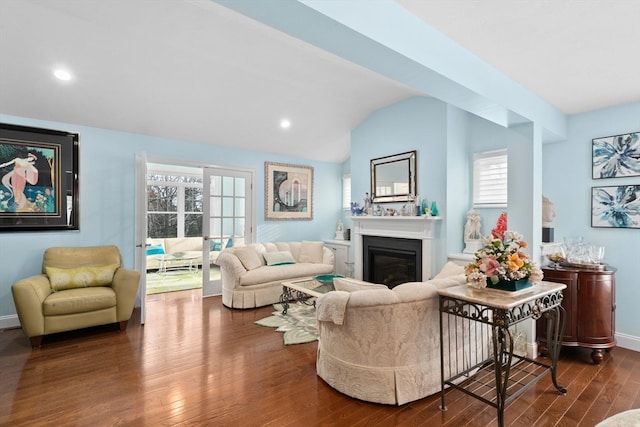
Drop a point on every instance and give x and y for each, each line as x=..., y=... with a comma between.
x=490, y=179
x=346, y=192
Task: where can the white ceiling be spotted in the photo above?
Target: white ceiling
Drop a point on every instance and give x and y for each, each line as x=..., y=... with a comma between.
x=194, y=70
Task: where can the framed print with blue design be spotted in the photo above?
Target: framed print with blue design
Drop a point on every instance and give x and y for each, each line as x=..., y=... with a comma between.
x=615, y=206
x=38, y=179
x=616, y=156
x=288, y=192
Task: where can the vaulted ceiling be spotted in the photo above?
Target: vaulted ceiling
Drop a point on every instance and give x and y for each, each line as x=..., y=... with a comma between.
x=195, y=70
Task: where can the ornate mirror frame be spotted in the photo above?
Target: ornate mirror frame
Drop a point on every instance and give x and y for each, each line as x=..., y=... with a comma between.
x=393, y=178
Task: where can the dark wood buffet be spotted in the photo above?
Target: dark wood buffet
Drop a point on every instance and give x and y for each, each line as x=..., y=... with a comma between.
x=590, y=304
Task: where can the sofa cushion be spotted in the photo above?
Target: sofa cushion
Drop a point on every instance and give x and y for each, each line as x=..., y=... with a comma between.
x=80, y=277
x=352, y=285
x=310, y=252
x=281, y=273
x=278, y=258
x=249, y=257
x=72, y=301
x=155, y=250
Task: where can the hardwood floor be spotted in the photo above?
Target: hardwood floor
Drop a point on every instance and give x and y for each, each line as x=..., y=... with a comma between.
x=196, y=363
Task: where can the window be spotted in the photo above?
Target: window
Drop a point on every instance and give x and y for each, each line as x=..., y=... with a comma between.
x=346, y=192
x=490, y=179
x=174, y=206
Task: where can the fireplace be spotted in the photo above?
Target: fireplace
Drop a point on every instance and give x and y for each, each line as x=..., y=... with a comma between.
x=424, y=230
x=391, y=261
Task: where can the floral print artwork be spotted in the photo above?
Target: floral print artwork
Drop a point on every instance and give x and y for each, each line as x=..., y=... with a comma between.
x=616, y=156
x=616, y=206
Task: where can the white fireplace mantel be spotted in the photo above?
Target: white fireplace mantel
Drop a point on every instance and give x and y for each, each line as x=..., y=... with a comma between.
x=425, y=228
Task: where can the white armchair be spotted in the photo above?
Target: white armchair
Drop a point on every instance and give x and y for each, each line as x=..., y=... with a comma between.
x=382, y=345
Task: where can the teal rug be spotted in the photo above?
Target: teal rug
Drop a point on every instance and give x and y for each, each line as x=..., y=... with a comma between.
x=299, y=324
x=180, y=280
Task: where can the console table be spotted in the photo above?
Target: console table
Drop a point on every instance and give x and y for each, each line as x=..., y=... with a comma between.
x=589, y=301
x=498, y=376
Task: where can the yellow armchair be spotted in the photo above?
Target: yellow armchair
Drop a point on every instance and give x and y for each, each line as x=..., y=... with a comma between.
x=79, y=287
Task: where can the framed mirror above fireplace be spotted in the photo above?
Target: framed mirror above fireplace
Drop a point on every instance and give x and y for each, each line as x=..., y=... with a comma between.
x=393, y=178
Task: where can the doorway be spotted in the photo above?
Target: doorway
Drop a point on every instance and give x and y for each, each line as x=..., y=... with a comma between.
x=190, y=213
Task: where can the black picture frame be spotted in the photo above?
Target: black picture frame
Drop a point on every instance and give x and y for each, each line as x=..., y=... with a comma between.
x=38, y=179
x=616, y=156
x=615, y=206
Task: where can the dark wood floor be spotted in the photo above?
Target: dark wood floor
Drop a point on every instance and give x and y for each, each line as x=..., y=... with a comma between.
x=197, y=363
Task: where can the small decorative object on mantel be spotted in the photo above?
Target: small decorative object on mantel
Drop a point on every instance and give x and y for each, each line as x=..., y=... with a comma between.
x=501, y=264
x=340, y=231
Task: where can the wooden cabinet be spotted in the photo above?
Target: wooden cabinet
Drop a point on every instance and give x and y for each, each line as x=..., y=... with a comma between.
x=589, y=302
x=342, y=253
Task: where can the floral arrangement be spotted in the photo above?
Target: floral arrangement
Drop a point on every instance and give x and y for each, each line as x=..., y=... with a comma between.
x=502, y=259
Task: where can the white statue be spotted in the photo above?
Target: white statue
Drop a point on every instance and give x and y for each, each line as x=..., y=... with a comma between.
x=472, y=227
x=472, y=236
x=548, y=212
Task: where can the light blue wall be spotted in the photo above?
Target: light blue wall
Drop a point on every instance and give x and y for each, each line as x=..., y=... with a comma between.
x=107, y=174
x=414, y=124
x=567, y=183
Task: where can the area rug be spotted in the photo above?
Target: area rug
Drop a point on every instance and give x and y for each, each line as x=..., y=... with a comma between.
x=179, y=280
x=299, y=324
x=629, y=418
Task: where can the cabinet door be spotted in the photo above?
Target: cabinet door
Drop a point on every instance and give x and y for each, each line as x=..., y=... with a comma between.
x=596, y=308
x=341, y=254
x=569, y=296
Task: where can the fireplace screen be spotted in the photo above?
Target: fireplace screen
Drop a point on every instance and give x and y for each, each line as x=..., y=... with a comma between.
x=391, y=261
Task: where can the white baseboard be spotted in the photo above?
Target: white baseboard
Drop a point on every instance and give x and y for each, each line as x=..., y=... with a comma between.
x=9, y=322
x=628, y=341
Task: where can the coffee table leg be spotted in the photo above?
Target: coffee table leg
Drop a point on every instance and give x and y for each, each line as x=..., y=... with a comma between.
x=285, y=297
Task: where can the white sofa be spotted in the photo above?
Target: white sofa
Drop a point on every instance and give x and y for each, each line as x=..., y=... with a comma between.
x=249, y=281
x=383, y=345
x=190, y=246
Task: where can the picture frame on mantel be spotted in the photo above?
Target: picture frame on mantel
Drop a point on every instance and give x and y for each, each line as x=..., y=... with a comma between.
x=288, y=192
x=615, y=206
x=38, y=179
x=616, y=156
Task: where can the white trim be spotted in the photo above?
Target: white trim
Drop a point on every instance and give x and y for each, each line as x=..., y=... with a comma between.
x=629, y=342
x=9, y=322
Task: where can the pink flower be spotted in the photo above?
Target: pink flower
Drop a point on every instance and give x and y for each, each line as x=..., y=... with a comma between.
x=489, y=267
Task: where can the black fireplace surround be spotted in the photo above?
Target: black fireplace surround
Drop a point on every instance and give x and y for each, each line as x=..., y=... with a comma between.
x=391, y=261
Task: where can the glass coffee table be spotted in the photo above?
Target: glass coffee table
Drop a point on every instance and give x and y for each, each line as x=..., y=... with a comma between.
x=178, y=262
x=306, y=289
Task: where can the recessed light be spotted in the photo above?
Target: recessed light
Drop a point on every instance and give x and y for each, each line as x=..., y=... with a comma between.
x=62, y=74
x=284, y=124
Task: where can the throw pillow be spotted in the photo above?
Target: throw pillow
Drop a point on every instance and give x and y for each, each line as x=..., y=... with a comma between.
x=450, y=269
x=249, y=257
x=350, y=285
x=279, y=258
x=311, y=252
x=215, y=246
x=229, y=243
x=80, y=277
x=155, y=250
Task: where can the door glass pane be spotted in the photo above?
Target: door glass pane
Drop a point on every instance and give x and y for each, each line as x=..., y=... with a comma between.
x=239, y=190
x=216, y=227
x=216, y=206
x=227, y=186
x=239, y=228
x=227, y=206
x=227, y=227
x=216, y=187
x=240, y=206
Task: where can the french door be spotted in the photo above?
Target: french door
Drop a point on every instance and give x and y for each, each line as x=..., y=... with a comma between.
x=228, y=206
